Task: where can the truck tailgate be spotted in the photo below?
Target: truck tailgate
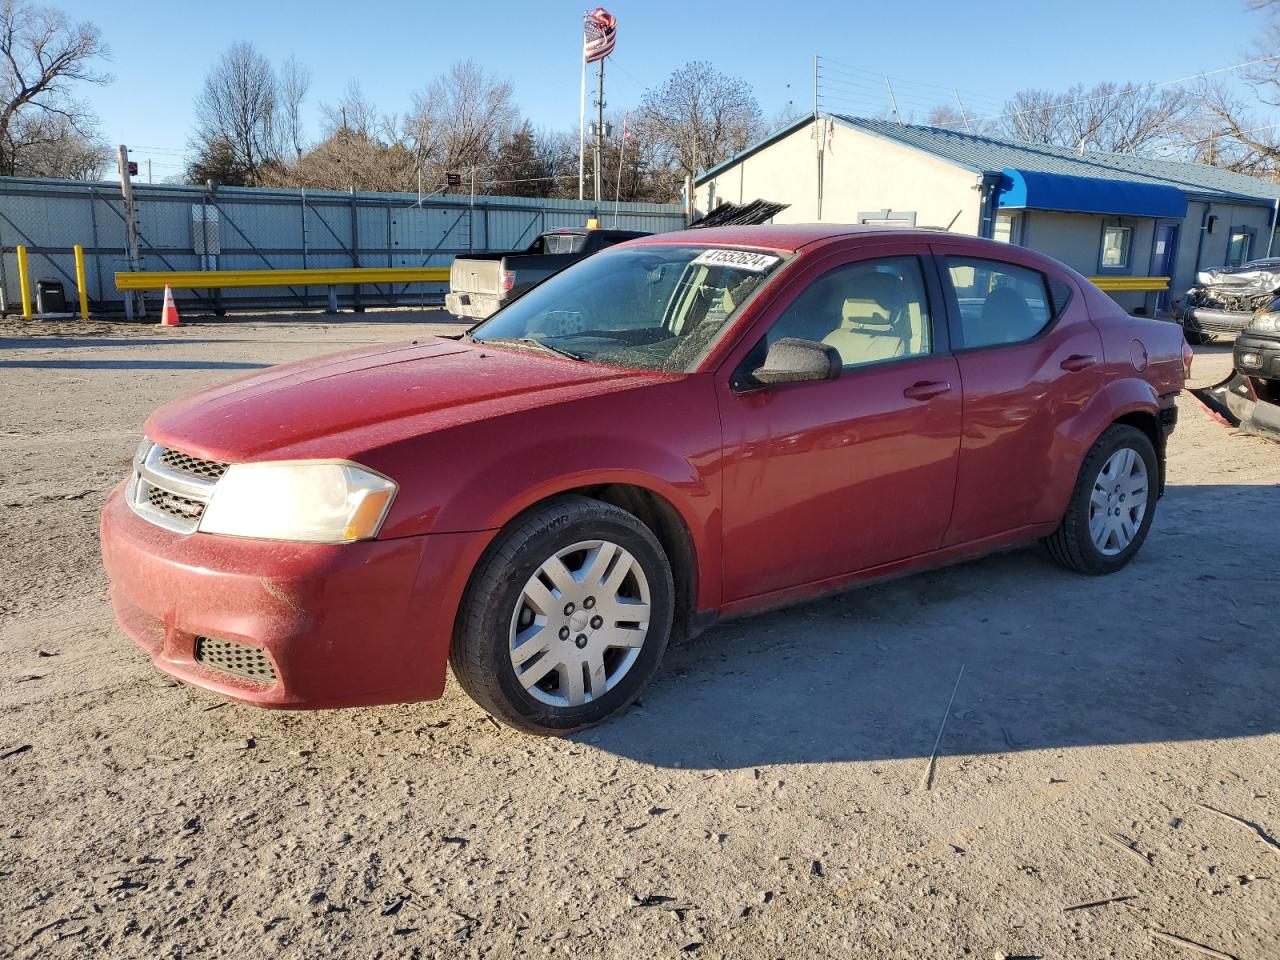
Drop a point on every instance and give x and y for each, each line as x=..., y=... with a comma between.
x=474, y=275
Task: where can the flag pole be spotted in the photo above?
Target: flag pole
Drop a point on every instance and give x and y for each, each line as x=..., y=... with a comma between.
x=582, y=120
x=617, y=193
x=599, y=131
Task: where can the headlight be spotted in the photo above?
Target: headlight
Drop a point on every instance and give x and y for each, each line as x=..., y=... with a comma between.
x=302, y=500
x=1266, y=323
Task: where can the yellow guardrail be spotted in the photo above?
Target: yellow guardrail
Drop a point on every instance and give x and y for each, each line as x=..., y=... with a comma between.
x=222, y=279
x=1130, y=284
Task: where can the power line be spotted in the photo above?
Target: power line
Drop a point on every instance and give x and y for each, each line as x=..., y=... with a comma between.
x=859, y=79
x=1132, y=89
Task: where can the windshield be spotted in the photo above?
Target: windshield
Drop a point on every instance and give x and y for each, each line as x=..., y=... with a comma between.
x=647, y=308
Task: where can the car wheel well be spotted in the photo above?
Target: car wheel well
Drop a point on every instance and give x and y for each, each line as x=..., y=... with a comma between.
x=1149, y=424
x=657, y=513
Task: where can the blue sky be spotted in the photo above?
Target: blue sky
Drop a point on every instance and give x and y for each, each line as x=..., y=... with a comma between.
x=161, y=51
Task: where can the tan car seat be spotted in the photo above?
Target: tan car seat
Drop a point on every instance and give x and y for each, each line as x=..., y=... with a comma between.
x=874, y=322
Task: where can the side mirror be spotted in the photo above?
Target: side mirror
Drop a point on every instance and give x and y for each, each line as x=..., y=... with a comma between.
x=791, y=360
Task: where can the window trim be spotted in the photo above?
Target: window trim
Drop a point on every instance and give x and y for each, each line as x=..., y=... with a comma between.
x=1126, y=268
x=935, y=298
x=953, y=302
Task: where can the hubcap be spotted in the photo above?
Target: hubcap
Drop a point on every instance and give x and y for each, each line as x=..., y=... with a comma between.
x=1118, y=502
x=579, y=623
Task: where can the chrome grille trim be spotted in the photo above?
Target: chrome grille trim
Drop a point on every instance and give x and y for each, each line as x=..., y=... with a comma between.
x=170, y=488
x=193, y=466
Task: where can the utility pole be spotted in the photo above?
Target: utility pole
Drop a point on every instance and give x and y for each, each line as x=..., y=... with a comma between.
x=963, y=116
x=815, y=86
x=893, y=100
x=131, y=231
x=148, y=170
x=599, y=147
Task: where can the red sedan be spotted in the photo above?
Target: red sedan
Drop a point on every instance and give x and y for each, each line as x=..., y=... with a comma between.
x=685, y=427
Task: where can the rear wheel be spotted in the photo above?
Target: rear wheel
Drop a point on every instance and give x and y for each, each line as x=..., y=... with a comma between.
x=566, y=617
x=1112, y=505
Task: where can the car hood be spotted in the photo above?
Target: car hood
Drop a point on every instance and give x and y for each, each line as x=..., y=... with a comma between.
x=340, y=405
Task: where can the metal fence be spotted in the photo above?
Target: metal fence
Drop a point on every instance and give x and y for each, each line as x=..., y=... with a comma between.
x=245, y=228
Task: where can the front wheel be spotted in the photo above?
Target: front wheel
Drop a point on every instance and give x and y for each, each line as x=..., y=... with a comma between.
x=1112, y=505
x=566, y=617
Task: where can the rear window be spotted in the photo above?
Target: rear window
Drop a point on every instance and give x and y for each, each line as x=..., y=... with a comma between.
x=559, y=243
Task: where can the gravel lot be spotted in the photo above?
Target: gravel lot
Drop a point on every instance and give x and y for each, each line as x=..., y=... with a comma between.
x=1105, y=783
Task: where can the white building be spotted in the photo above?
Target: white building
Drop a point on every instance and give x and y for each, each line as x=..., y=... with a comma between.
x=1118, y=217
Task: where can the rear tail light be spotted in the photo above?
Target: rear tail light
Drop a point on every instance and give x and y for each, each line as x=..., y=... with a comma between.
x=1187, y=356
x=508, y=280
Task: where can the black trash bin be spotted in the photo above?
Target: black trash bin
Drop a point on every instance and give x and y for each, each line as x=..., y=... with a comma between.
x=51, y=297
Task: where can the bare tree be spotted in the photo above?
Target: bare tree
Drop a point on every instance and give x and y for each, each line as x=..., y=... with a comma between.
x=49, y=145
x=354, y=113
x=42, y=55
x=238, y=105
x=945, y=115
x=460, y=121
x=295, y=82
x=1117, y=118
x=1236, y=130
x=697, y=118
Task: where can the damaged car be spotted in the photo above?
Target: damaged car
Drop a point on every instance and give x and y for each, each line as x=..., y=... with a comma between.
x=1250, y=397
x=1225, y=299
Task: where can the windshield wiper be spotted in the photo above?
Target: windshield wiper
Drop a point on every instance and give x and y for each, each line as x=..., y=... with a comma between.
x=541, y=345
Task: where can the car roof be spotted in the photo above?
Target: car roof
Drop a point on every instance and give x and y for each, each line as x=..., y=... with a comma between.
x=783, y=237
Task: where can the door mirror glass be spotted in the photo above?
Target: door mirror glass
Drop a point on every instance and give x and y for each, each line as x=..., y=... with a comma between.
x=792, y=360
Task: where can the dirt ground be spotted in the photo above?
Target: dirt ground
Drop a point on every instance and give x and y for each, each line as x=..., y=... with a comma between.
x=1106, y=781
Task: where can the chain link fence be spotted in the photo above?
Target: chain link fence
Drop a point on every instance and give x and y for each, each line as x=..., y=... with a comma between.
x=245, y=228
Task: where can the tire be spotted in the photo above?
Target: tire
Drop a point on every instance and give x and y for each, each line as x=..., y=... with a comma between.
x=1074, y=544
x=510, y=592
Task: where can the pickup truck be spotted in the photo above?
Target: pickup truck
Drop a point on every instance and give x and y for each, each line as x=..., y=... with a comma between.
x=481, y=283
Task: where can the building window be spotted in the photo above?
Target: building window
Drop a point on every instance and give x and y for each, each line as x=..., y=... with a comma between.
x=1239, y=244
x=1008, y=228
x=1116, y=242
x=888, y=218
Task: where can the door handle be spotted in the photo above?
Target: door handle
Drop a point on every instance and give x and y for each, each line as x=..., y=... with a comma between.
x=1079, y=361
x=926, y=389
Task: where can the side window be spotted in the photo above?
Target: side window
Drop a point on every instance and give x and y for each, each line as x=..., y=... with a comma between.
x=870, y=311
x=999, y=302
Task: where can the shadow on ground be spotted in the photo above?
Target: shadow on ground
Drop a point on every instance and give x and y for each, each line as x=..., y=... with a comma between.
x=134, y=364
x=1110, y=660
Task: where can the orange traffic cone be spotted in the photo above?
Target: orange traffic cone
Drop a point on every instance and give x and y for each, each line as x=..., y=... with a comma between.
x=169, y=315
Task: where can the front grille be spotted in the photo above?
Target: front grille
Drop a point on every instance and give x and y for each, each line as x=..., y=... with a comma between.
x=171, y=488
x=194, y=466
x=238, y=659
x=181, y=508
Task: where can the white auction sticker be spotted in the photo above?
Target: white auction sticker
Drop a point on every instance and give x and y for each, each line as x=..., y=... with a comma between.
x=742, y=259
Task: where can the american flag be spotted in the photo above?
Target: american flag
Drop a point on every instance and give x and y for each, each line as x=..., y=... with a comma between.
x=599, y=34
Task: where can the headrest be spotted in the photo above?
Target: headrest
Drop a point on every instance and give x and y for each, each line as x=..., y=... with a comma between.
x=878, y=301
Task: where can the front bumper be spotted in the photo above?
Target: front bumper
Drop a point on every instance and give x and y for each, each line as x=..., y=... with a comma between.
x=342, y=625
x=477, y=306
x=1266, y=352
x=1211, y=320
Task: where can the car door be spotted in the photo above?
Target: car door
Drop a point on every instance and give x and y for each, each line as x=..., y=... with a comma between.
x=1029, y=359
x=829, y=477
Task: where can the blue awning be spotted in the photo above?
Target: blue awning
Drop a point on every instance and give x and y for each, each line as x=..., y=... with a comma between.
x=1033, y=190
